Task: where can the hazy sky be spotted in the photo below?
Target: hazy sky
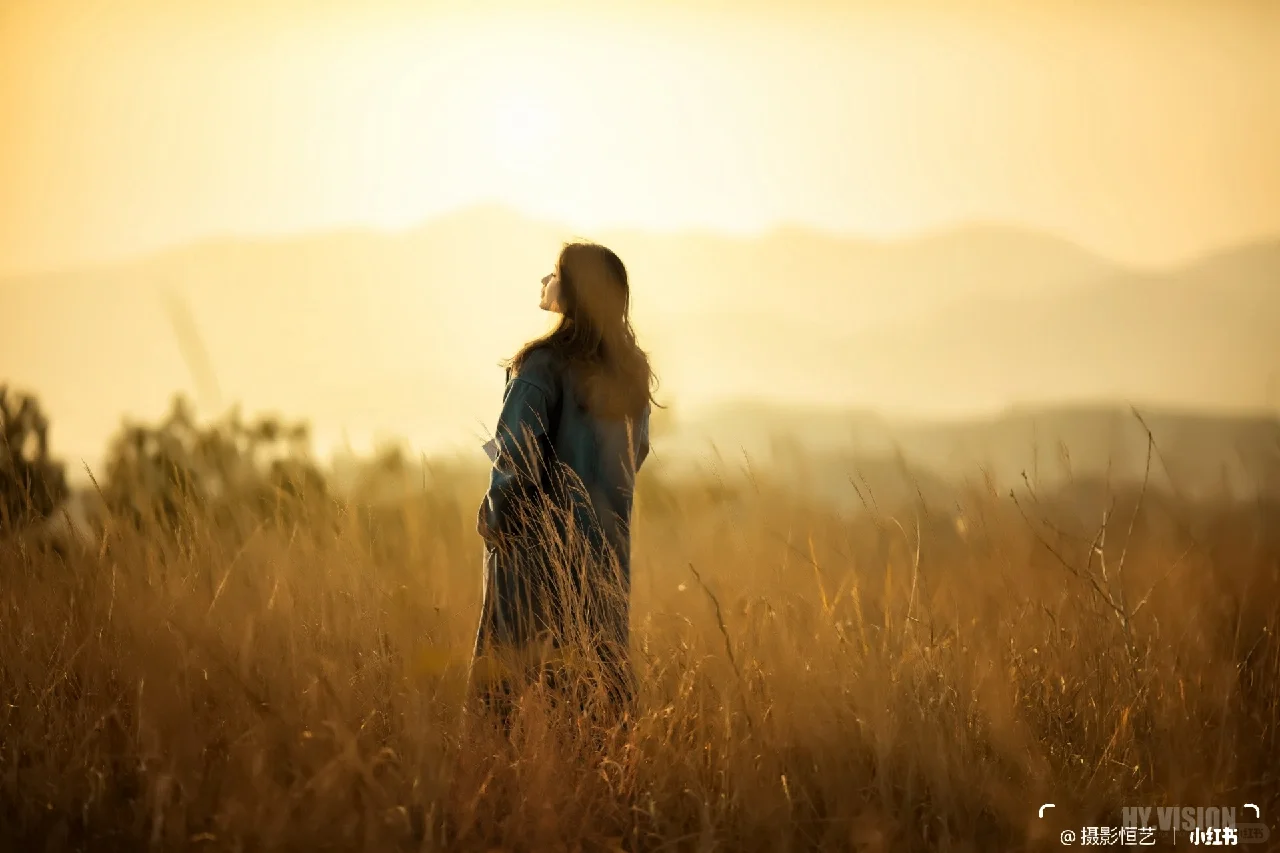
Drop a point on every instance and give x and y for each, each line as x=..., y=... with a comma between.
x=1146, y=131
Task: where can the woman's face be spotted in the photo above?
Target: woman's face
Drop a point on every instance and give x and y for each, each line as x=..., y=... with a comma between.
x=550, y=300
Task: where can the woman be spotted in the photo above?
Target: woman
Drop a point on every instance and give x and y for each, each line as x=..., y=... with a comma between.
x=556, y=517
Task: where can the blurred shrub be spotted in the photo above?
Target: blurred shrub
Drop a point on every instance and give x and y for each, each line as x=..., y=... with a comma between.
x=222, y=472
x=32, y=485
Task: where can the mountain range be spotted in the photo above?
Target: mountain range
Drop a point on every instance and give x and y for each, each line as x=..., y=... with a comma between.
x=400, y=333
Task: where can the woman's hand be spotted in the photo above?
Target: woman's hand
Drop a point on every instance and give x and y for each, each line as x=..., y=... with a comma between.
x=487, y=533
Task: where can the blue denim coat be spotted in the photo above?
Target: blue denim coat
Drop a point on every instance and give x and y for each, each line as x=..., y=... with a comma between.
x=556, y=518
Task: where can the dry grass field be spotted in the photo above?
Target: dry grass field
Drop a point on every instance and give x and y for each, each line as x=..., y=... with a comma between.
x=893, y=679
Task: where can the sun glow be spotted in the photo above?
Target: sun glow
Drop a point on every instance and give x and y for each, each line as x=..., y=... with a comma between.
x=234, y=118
x=524, y=130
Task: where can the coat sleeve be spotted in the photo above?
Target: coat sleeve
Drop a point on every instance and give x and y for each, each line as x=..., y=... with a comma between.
x=642, y=444
x=523, y=444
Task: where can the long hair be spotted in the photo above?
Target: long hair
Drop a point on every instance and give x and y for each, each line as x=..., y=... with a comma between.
x=594, y=338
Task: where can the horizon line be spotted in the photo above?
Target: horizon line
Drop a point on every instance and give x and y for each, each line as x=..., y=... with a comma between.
x=775, y=229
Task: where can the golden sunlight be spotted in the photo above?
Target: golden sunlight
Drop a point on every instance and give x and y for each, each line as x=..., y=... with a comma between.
x=959, y=492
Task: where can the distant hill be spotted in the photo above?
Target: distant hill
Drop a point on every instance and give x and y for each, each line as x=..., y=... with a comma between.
x=1198, y=454
x=838, y=283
